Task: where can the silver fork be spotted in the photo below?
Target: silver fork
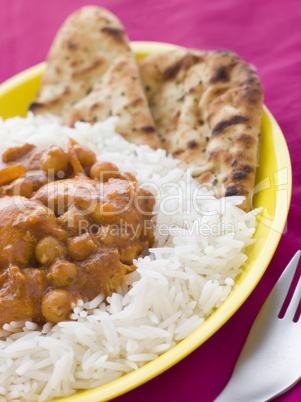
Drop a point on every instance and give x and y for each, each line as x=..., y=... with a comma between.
x=270, y=361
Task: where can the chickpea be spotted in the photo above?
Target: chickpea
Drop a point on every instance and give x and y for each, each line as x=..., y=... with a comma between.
x=85, y=155
x=54, y=159
x=57, y=305
x=80, y=247
x=103, y=171
x=62, y=273
x=47, y=249
x=128, y=176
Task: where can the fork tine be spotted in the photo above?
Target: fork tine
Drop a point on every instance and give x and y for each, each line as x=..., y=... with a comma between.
x=292, y=307
x=285, y=282
x=298, y=312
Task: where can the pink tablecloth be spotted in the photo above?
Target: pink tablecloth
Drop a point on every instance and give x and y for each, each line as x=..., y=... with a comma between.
x=266, y=34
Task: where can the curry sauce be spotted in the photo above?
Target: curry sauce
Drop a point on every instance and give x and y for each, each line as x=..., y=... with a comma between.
x=70, y=227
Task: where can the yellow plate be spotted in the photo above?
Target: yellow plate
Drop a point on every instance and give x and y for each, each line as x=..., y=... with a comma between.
x=272, y=191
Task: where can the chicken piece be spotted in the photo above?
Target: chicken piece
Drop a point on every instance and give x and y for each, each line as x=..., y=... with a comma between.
x=105, y=273
x=61, y=195
x=20, y=292
x=21, y=221
x=126, y=240
x=21, y=186
x=75, y=223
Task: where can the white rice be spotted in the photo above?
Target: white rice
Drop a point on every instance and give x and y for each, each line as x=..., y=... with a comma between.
x=199, y=251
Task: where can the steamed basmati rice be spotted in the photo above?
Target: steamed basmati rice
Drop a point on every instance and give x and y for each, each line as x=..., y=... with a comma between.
x=199, y=251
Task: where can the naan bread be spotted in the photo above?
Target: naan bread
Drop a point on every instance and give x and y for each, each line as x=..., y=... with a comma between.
x=207, y=107
x=91, y=74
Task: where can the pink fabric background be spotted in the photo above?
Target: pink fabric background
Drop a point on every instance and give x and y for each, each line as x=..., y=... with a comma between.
x=266, y=34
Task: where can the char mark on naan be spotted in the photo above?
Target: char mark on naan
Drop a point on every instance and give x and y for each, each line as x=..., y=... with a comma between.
x=207, y=107
x=92, y=74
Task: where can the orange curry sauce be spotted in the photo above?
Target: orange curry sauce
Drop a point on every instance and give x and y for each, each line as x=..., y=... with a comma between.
x=70, y=227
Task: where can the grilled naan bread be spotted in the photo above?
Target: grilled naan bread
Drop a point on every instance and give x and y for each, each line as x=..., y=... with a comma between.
x=91, y=74
x=207, y=107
